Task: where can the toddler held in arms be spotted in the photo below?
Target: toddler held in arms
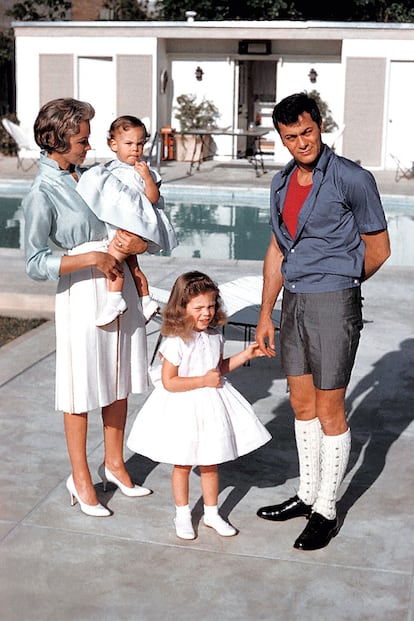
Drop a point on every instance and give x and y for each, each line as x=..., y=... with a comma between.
x=125, y=194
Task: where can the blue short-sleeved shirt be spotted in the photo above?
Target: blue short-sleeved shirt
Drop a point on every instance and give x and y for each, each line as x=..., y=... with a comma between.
x=327, y=252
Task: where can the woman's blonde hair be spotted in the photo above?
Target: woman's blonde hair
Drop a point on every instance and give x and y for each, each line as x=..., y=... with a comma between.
x=176, y=322
x=59, y=120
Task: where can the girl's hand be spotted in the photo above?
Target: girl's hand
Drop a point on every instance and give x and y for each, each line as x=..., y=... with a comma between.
x=212, y=379
x=142, y=169
x=254, y=351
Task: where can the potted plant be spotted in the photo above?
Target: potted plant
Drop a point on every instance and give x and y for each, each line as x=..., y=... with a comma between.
x=193, y=115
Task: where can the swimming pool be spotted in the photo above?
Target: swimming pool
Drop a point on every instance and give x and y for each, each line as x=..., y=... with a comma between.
x=229, y=224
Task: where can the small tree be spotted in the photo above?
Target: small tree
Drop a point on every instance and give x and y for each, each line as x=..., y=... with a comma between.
x=329, y=125
x=193, y=115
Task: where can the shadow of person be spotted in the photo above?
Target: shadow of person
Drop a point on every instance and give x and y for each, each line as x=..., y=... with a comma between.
x=139, y=468
x=268, y=466
x=380, y=409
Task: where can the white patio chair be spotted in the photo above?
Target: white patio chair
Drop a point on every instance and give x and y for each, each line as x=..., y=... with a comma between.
x=25, y=149
x=241, y=299
x=332, y=138
x=150, y=149
x=403, y=170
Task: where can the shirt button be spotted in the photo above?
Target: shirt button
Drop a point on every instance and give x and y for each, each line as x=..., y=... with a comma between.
x=293, y=286
x=292, y=250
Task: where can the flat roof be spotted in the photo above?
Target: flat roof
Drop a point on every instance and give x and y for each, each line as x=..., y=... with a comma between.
x=225, y=29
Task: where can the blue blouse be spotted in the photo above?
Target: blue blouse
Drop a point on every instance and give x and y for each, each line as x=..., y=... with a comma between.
x=54, y=210
x=327, y=252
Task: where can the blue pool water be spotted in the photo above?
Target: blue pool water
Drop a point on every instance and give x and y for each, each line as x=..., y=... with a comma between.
x=226, y=225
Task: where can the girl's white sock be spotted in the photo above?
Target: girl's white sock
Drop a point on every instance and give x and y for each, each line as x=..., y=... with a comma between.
x=182, y=511
x=114, y=297
x=210, y=511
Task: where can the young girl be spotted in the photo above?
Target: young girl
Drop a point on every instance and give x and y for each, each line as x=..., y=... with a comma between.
x=128, y=188
x=195, y=416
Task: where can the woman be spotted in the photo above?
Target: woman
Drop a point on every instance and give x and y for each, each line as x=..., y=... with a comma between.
x=95, y=367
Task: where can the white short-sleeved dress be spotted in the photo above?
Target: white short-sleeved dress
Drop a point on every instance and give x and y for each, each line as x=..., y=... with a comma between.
x=204, y=426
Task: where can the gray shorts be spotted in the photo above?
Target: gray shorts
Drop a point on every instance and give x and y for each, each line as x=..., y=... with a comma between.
x=319, y=335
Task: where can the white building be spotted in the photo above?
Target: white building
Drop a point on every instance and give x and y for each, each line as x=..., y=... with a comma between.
x=364, y=71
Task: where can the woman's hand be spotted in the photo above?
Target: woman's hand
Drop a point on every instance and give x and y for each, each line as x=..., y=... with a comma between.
x=130, y=243
x=108, y=265
x=104, y=262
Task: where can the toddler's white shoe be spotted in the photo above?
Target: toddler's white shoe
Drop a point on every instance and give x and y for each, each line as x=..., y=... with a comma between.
x=184, y=527
x=222, y=527
x=149, y=307
x=111, y=312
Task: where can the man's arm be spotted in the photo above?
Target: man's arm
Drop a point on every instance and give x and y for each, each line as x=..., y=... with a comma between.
x=272, y=285
x=377, y=251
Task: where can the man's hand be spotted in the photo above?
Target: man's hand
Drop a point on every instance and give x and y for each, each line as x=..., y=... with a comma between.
x=265, y=336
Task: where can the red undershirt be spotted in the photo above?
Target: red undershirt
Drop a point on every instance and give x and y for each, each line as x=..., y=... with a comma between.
x=295, y=197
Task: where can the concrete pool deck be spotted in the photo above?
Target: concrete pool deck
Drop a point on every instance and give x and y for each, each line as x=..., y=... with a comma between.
x=60, y=565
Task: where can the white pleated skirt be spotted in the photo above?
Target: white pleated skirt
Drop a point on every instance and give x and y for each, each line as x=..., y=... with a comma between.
x=97, y=366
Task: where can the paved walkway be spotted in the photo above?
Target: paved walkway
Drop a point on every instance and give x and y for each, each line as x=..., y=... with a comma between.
x=58, y=564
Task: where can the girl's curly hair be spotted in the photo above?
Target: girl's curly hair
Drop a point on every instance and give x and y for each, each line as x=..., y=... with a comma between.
x=123, y=123
x=59, y=120
x=187, y=286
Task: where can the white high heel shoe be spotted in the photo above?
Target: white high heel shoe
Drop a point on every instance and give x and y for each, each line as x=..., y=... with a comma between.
x=107, y=476
x=94, y=510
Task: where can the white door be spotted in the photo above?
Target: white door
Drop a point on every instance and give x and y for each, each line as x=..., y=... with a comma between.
x=96, y=84
x=400, y=133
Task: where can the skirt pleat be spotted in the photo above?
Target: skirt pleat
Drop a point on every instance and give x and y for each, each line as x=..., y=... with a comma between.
x=97, y=366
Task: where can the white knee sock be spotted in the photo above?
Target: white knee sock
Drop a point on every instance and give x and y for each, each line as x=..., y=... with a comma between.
x=334, y=460
x=308, y=441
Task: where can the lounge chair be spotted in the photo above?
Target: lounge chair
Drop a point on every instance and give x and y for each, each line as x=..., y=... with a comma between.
x=402, y=171
x=27, y=153
x=241, y=298
x=332, y=138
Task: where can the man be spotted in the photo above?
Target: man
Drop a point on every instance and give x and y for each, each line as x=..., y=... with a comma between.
x=329, y=235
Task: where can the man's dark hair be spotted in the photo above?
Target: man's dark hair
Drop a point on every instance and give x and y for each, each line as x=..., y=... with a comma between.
x=289, y=109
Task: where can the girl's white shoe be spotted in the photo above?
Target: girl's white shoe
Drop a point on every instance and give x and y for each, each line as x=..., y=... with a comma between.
x=222, y=527
x=111, y=312
x=107, y=476
x=94, y=510
x=149, y=307
x=184, y=527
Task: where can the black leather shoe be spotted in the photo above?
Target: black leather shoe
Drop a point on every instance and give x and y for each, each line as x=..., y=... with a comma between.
x=318, y=533
x=292, y=508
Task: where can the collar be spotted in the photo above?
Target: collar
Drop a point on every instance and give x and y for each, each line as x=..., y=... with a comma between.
x=321, y=165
